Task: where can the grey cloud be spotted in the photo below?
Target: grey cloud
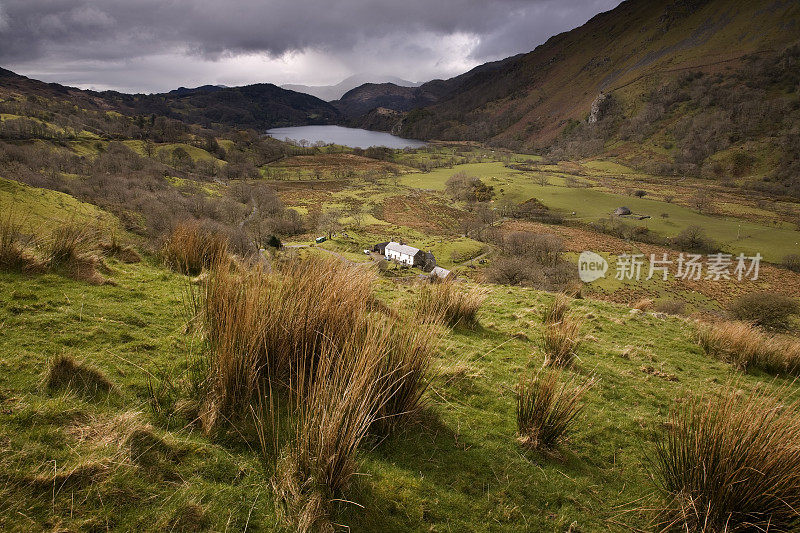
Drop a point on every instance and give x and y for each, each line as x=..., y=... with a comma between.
x=47, y=35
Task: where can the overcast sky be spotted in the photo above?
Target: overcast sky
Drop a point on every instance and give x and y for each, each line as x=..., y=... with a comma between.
x=158, y=45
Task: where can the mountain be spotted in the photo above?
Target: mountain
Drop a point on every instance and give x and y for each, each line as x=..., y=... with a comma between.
x=698, y=86
x=334, y=92
x=259, y=106
x=369, y=96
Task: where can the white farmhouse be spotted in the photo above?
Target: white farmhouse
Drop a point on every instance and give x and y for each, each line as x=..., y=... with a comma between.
x=404, y=254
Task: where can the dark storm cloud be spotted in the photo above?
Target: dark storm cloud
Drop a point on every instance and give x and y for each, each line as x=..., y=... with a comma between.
x=46, y=34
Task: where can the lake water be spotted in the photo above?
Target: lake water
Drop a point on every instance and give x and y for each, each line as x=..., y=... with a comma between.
x=352, y=137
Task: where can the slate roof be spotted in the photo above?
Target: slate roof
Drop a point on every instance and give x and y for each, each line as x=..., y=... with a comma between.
x=402, y=248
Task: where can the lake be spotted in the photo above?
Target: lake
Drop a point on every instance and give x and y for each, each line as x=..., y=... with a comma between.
x=352, y=137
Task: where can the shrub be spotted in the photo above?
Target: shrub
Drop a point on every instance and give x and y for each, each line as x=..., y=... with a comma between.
x=730, y=463
x=449, y=302
x=768, y=309
x=546, y=407
x=792, y=262
x=694, y=239
x=192, y=246
x=561, y=340
x=671, y=307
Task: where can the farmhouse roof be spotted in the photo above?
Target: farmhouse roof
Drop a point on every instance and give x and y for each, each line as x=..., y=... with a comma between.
x=402, y=248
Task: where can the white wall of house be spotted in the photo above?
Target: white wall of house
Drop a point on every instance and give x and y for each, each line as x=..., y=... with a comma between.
x=400, y=257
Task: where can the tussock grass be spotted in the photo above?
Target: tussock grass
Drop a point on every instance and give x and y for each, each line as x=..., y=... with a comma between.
x=449, y=302
x=303, y=340
x=731, y=463
x=644, y=304
x=14, y=255
x=66, y=372
x=113, y=247
x=192, y=246
x=561, y=340
x=745, y=346
x=335, y=403
x=72, y=249
x=556, y=309
x=546, y=407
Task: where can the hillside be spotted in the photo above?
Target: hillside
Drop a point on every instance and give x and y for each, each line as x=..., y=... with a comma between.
x=704, y=87
x=259, y=106
x=335, y=92
x=366, y=97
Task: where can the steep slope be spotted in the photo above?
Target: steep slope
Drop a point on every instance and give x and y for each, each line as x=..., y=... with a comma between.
x=629, y=53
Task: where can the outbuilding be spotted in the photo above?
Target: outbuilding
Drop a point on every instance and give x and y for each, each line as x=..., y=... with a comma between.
x=441, y=273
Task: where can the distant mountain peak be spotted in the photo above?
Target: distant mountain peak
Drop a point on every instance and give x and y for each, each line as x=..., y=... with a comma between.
x=335, y=92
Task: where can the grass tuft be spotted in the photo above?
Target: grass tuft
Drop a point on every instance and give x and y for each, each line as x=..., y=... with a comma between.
x=449, y=302
x=191, y=247
x=744, y=346
x=546, y=407
x=66, y=372
x=560, y=341
x=731, y=463
x=556, y=309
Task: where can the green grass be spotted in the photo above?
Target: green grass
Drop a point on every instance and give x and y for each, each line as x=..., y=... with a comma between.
x=459, y=468
x=591, y=204
x=41, y=209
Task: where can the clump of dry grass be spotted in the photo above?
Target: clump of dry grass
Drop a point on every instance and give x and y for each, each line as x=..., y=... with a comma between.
x=191, y=246
x=561, y=340
x=72, y=250
x=335, y=403
x=306, y=332
x=731, y=463
x=643, y=304
x=14, y=255
x=555, y=310
x=745, y=346
x=449, y=302
x=113, y=247
x=66, y=372
x=546, y=406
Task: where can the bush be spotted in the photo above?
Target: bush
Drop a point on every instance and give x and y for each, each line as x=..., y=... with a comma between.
x=767, y=309
x=546, y=407
x=730, y=463
x=792, y=262
x=694, y=239
x=671, y=307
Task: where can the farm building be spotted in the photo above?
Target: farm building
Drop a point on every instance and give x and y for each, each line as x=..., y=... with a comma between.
x=404, y=254
x=622, y=211
x=380, y=248
x=441, y=273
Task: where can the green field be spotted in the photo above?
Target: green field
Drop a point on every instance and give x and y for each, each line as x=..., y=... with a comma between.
x=590, y=204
